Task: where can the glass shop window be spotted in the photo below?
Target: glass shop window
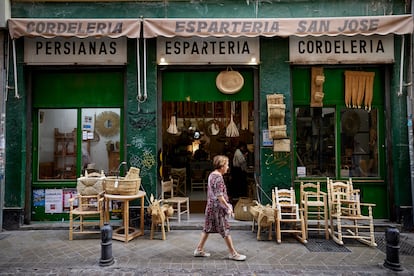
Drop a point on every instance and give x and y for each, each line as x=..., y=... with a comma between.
x=57, y=147
x=101, y=140
x=359, y=136
x=315, y=141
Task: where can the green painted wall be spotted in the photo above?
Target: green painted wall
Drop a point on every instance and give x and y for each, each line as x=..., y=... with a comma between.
x=141, y=121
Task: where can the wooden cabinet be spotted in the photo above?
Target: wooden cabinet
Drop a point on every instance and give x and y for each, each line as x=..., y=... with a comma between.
x=65, y=154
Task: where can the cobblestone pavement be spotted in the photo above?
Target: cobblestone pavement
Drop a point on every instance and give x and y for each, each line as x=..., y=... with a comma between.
x=49, y=252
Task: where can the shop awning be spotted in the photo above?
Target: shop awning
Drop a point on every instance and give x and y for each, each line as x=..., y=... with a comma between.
x=49, y=28
x=282, y=27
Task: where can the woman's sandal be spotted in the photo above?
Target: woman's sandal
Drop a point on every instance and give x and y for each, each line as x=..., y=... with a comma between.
x=199, y=253
x=237, y=257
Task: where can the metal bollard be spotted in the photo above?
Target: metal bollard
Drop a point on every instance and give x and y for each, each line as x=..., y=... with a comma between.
x=106, y=245
x=392, y=239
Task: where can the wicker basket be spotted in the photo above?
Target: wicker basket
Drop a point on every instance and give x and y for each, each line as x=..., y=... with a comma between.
x=91, y=185
x=274, y=98
x=133, y=173
x=124, y=186
x=278, y=132
x=276, y=110
x=241, y=210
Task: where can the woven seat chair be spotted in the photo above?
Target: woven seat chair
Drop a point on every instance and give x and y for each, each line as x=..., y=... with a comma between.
x=180, y=204
x=288, y=214
x=314, y=204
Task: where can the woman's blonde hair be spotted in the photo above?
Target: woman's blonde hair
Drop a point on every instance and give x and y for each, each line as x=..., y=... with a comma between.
x=219, y=161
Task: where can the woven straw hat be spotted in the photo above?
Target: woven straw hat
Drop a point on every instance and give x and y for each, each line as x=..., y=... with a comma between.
x=229, y=82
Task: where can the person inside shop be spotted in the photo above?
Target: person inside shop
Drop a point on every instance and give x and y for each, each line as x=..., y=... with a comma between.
x=218, y=210
x=239, y=171
x=201, y=154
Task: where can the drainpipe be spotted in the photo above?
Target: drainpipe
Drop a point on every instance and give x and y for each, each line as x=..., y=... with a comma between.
x=4, y=71
x=410, y=76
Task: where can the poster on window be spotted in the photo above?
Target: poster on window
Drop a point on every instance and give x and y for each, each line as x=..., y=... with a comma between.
x=53, y=201
x=39, y=197
x=67, y=195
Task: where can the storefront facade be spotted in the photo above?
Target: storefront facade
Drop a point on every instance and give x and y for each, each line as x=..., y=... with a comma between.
x=116, y=84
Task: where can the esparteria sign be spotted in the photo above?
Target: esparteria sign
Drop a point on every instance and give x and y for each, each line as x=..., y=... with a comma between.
x=100, y=51
x=207, y=50
x=341, y=49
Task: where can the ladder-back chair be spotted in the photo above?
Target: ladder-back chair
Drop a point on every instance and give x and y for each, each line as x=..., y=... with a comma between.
x=288, y=214
x=180, y=204
x=314, y=204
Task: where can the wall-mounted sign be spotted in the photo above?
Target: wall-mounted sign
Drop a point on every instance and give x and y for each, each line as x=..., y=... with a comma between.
x=341, y=49
x=58, y=50
x=208, y=50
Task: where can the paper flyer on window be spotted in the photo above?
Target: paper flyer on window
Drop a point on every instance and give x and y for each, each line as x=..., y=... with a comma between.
x=53, y=201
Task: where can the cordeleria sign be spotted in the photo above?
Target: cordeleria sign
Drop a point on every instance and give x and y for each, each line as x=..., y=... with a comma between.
x=49, y=28
x=75, y=51
x=341, y=49
x=208, y=50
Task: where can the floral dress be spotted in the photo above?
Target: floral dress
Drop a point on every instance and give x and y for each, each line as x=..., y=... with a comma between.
x=216, y=213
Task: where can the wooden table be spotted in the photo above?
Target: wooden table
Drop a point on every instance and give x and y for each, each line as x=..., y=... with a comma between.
x=121, y=233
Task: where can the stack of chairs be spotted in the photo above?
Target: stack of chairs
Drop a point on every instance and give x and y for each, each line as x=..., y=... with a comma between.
x=346, y=217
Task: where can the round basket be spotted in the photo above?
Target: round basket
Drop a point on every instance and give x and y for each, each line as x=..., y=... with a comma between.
x=124, y=186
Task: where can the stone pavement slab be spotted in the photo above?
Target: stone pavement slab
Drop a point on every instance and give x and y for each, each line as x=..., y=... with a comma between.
x=49, y=252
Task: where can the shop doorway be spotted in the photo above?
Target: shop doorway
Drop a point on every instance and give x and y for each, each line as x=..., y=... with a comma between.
x=200, y=122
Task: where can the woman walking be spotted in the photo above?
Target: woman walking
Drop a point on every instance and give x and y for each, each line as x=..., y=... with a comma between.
x=218, y=210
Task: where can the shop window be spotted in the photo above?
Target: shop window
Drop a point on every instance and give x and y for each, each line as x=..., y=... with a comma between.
x=359, y=151
x=315, y=141
x=101, y=140
x=58, y=148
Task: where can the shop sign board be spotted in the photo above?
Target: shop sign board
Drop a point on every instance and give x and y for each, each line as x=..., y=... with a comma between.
x=58, y=50
x=208, y=50
x=341, y=49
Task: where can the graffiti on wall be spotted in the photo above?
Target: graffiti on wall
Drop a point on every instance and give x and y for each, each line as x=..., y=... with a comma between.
x=146, y=159
x=276, y=160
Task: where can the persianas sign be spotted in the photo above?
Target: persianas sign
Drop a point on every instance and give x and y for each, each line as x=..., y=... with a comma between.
x=341, y=49
x=332, y=26
x=209, y=50
x=48, y=28
x=75, y=51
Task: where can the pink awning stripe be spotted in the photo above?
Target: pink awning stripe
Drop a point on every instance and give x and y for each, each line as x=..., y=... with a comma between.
x=282, y=27
x=82, y=28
